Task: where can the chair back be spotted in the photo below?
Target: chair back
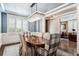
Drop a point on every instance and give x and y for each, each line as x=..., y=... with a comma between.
x=23, y=44
x=22, y=38
x=53, y=43
x=46, y=37
x=29, y=35
x=54, y=39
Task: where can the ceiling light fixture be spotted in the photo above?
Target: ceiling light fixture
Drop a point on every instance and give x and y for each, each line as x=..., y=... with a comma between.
x=37, y=15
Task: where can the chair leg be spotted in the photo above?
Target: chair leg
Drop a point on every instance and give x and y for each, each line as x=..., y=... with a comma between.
x=55, y=53
x=26, y=51
x=29, y=51
x=32, y=51
x=20, y=51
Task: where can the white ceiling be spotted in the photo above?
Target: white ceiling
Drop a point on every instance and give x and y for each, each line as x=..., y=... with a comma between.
x=24, y=8
x=20, y=8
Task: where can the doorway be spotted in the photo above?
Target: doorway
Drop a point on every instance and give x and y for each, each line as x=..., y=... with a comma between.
x=47, y=26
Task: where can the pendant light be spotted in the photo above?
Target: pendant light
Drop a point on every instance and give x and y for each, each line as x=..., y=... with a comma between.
x=37, y=15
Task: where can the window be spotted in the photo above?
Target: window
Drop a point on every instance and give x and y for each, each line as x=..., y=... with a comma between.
x=16, y=23
x=11, y=24
x=39, y=26
x=35, y=26
x=25, y=25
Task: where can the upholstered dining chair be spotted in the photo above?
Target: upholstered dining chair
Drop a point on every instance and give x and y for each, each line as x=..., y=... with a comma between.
x=41, y=50
x=53, y=44
x=30, y=47
x=50, y=47
x=23, y=46
x=37, y=35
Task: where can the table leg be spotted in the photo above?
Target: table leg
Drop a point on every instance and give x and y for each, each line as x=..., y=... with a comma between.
x=35, y=54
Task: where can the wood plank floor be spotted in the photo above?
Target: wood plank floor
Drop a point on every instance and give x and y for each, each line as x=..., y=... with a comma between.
x=2, y=50
x=3, y=47
x=66, y=48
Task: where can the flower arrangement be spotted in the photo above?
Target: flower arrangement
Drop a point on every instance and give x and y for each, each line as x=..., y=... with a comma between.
x=34, y=37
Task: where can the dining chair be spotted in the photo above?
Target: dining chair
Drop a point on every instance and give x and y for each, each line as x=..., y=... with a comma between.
x=50, y=47
x=23, y=46
x=53, y=44
x=30, y=46
x=42, y=50
x=38, y=36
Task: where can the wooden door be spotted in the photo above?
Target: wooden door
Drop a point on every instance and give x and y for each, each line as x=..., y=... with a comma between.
x=47, y=26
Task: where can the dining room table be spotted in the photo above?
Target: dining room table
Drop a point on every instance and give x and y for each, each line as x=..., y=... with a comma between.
x=37, y=42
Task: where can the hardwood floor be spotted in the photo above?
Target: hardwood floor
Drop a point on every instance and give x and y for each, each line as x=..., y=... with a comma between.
x=3, y=47
x=68, y=46
x=2, y=50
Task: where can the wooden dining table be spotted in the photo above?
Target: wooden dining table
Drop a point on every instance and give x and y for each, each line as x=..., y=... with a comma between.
x=38, y=42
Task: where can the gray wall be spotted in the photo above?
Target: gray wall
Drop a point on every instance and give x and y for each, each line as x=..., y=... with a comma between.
x=32, y=26
x=35, y=26
x=3, y=22
x=39, y=25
